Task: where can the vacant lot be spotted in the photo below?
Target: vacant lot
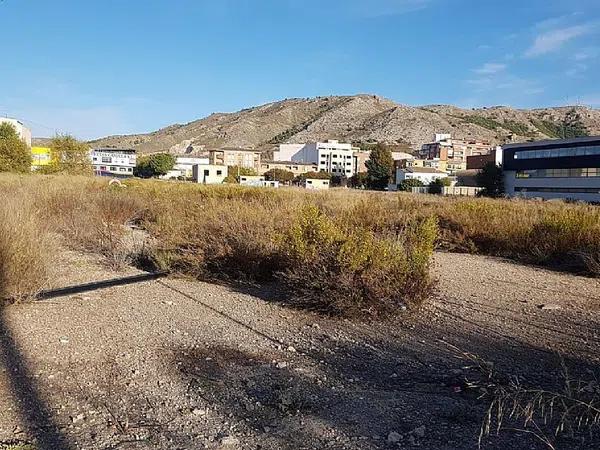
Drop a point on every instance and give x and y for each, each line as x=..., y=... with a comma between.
x=335, y=326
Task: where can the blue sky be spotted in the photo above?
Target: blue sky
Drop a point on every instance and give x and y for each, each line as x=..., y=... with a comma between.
x=94, y=68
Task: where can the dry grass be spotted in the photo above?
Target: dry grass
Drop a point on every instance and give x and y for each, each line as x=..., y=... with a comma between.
x=380, y=244
x=26, y=250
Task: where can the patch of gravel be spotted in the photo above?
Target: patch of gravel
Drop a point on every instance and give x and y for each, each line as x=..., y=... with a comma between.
x=180, y=364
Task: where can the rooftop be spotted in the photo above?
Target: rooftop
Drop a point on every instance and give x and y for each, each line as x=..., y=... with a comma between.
x=295, y=163
x=422, y=170
x=554, y=142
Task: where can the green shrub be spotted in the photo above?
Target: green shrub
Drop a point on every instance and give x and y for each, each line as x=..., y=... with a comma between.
x=437, y=186
x=407, y=185
x=337, y=270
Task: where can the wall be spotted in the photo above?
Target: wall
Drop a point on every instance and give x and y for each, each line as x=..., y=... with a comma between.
x=23, y=132
x=209, y=173
x=511, y=183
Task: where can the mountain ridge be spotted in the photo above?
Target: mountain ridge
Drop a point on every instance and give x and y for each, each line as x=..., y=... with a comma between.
x=361, y=119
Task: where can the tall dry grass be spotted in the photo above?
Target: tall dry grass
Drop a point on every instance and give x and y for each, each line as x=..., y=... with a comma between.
x=379, y=245
x=26, y=250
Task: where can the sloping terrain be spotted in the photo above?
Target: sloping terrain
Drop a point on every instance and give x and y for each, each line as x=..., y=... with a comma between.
x=178, y=364
x=360, y=119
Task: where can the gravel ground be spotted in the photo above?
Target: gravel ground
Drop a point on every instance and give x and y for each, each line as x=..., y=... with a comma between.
x=180, y=364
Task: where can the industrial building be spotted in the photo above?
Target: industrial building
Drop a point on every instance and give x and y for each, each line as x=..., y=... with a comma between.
x=564, y=168
x=114, y=162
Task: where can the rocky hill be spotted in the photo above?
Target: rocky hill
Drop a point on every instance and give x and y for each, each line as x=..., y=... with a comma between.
x=360, y=119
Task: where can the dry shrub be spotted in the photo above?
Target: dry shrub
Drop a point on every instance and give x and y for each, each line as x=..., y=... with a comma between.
x=26, y=250
x=97, y=219
x=216, y=239
x=352, y=271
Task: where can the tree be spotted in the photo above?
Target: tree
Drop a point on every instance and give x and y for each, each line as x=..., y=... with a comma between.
x=68, y=155
x=408, y=184
x=281, y=175
x=154, y=165
x=15, y=155
x=380, y=167
x=491, y=179
x=437, y=186
x=359, y=180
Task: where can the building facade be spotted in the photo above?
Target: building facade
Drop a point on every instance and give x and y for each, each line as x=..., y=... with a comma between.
x=333, y=157
x=315, y=183
x=563, y=168
x=423, y=174
x=235, y=157
x=113, y=162
x=23, y=132
x=40, y=157
x=209, y=173
x=297, y=168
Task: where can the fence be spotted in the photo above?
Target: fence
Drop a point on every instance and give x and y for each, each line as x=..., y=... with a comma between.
x=462, y=191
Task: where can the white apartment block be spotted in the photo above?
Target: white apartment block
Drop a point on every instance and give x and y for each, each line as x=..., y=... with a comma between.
x=113, y=162
x=332, y=156
x=23, y=132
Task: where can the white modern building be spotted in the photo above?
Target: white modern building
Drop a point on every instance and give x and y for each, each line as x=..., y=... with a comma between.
x=332, y=156
x=113, y=162
x=23, y=132
x=561, y=169
x=424, y=174
x=209, y=173
x=185, y=164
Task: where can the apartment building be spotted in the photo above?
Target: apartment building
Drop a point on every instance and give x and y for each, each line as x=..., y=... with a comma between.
x=185, y=164
x=333, y=157
x=297, y=168
x=447, y=148
x=562, y=168
x=480, y=161
x=235, y=157
x=114, y=162
x=23, y=132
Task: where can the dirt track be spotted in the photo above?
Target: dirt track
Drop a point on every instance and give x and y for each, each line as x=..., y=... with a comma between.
x=175, y=364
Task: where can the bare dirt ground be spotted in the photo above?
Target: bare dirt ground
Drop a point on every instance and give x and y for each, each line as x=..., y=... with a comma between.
x=179, y=364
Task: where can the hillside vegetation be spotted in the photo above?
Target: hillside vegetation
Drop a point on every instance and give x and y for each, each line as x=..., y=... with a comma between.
x=339, y=252
x=360, y=119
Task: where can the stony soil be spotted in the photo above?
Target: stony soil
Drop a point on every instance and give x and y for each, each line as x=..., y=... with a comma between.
x=179, y=364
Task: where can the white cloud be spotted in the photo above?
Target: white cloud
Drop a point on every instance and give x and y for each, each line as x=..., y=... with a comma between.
x=553, y=40
x=490, y=68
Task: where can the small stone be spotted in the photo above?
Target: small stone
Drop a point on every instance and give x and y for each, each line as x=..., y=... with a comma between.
x=281, y=365
x=291, y=349
x=63, y=340
x=394, y=437
x=78, y=418
x=419, y=431
x=198, y=412
x=394, y=375
x=230, y=441
x=549, y=307
x=316, y=326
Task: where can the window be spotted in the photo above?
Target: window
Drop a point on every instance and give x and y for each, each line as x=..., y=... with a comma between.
x=129, y=169
x=308, y=182
x=114, y=169
x=559, y=173
x=121, y=169
x=206, y=172
x=220, y=172
x=588, y=150
x=106, y=159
